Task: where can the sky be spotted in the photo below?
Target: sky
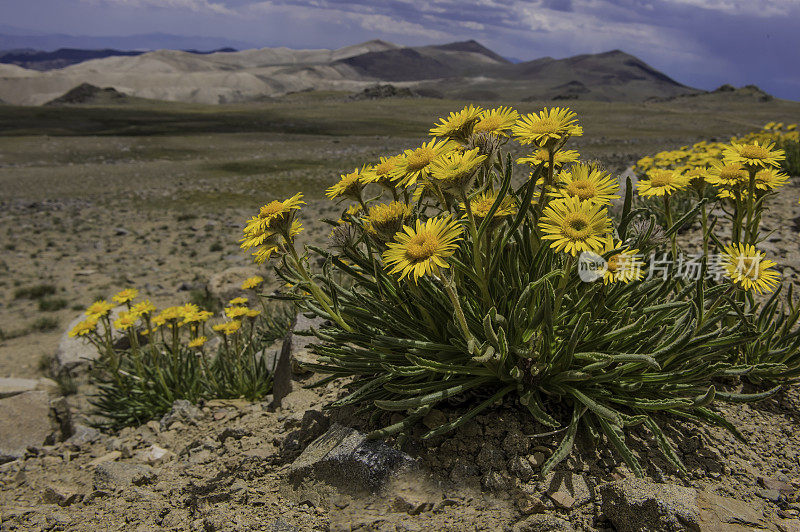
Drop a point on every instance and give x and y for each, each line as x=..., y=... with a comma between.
x=701, y=43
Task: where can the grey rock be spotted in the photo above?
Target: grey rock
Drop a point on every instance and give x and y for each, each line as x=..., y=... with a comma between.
x=227, y=284
x=279, y=525
x=576, y=486
x=723, y=513
x=301, y=339
x=312, y=426
x=345, y=458
x=9, y=387
x=83, y=435
x=543, y=523
x=637, y=505
x=60, y=496
x=25, y=421
x=282, y=372
x=183, y=411
x=770, y=495
x=74, y=355
x=114, y=475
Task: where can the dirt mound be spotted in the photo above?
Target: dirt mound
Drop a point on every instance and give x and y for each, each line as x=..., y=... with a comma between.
x=378, y=92
x=86, y=93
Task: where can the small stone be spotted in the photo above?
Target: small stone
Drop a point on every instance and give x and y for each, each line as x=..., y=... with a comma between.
x=83, y=435
x=9, y=387
x=633, y=505
x=183, y=411
x=60, y=496
x=521, y=467
x=562, y=499
x=24, y=422
x=112, y=475
x=537, y=459
x=155, y=455
x=109, y=457
x=770, y=495
x=788, y=525
x=775, y=484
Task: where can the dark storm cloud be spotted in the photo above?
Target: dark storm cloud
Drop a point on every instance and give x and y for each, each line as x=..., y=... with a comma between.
x=699, y=42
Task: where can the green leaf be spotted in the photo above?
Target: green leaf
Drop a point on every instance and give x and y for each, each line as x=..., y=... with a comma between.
x=564, y=448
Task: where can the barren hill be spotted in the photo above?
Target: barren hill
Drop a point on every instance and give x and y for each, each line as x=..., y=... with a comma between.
x=461, y=70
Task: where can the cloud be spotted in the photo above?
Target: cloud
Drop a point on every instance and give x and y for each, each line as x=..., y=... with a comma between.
x=198, y=6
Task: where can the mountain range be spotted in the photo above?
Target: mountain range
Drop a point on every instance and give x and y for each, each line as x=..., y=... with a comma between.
x=463, y=70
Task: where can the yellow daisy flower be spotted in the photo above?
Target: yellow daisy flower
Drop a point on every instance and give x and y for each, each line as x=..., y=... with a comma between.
x=235, y=313
x=198, y=342
x=547, y=127
x=272, y=244
x=770, y=179
x=228, y=328
x=423, y=249
x=496, y=121
x=274, y=225
x=754, y=155
x=386, y=219
x=749, y=268
x=99, y=308
x=350, y=185
x=454, y=171
x=587, y=183
x=622, y=267
x=457, y=125
x=416, y=163
x=125, y=321
x=542, y=156
x=727, y=174
x=252, y=282
x=143, y=308
x=482, y=204
x=237, y=301
x=661, y=182
x=253, y=313
x=575, y=225
x=126, y=295
x=169, y=315
x=84, y=328
x=385, y=172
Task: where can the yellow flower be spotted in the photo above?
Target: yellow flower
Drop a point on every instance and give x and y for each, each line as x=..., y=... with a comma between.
x=99, y=308
x=754, y=155
x=454, y=171
x=386, y=219
x=542, y=156
x=350, y=185
x=587, y=183
x=84, y=328
x=749, y=268
x=385, y=173
x=253, y=313
x=482, y=204
x=458, y=125
x=622, y=267
x=129, y=294
x=497, y=121
x=770, y=179
x=198, y=342
x=727, y=174
x=252, y=282
x=238, y=301
x=423, y=249
x=415, y=164
x=169, y=315
x=125, y=321
x=548, y=127
x=575, y=225
x=661, y=182
x=235, y=313
x=274, y=225
x=228, y=328
x=143, y=308
x=192, y=314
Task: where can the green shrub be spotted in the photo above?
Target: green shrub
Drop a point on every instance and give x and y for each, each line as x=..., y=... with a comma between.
x=52, y=304
x=469, y=284
x=35, y=292
x=45, y=324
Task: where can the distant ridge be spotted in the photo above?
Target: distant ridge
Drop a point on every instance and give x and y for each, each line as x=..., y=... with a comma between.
x=63, y=57
x=461, y=70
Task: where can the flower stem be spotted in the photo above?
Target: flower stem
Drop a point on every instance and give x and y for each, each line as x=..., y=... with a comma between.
x=450, y=288
x=674, y=236
x=317, y=292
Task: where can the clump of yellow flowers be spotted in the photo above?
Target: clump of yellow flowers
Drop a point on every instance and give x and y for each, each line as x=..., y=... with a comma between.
x=150, y=357
x=450, y=276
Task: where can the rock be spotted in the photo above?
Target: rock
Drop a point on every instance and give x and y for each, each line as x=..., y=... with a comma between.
x=155, y=455
x=770, y=495
x=227, y=284
x=635, y=505
x=775, y=484
x=9, y=387
x=788, y=525
x=73, y=355
x=109, y=476
x=543, y=523
x=24, y=422
x=109, y=457
x=183, y=411
x=563, y=499
x=345, y=458
x=282, y=373
x=60, y=496
x=723, y=513
x=83, y=435
x=574, y=486
x=301, y=338
x=434, y=418
x=312, y=426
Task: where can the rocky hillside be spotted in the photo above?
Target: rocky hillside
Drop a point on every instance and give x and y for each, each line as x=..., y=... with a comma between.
x=459, y=70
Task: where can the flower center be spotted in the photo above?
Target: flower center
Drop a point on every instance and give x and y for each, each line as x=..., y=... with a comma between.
x=576, y=226
x=545, y=125
x=751, y=151
x=490, y=123
x=748, y=266
x=581, y=189
x=419, y=159
x=421, y=247
x=661, y=179
x=271, y=209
